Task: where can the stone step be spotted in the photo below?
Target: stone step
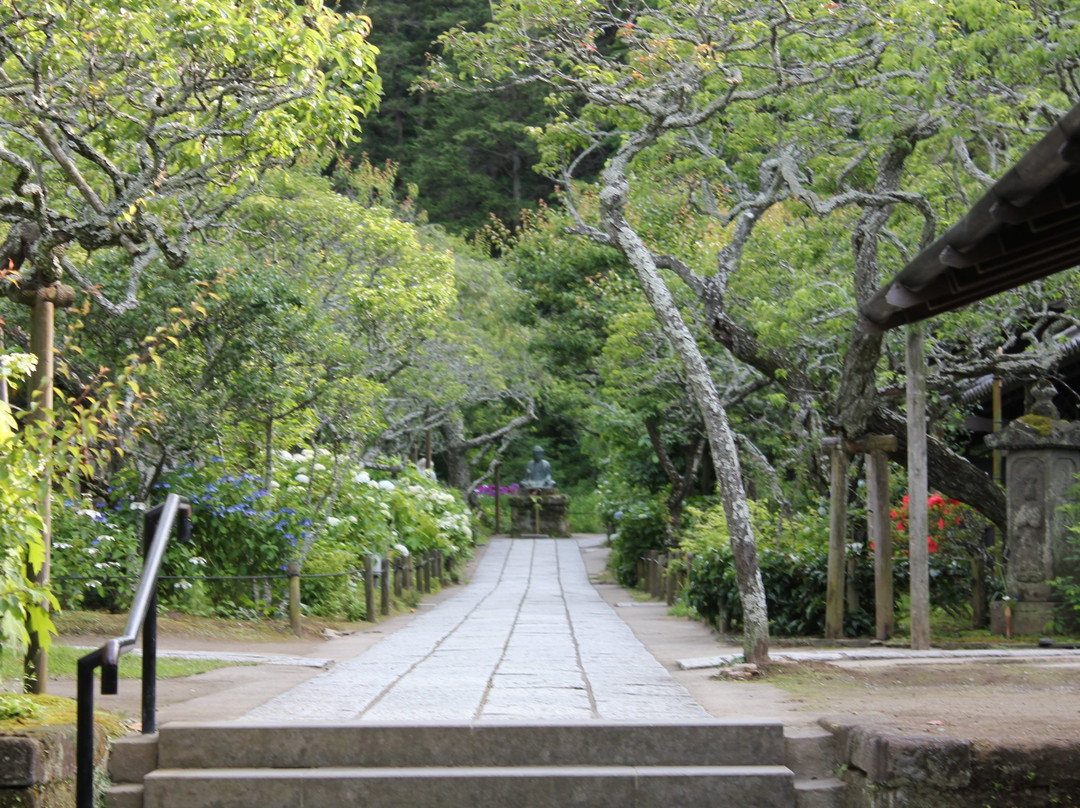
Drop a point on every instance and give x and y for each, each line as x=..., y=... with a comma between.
x=827, y=792
x=468, y=787
x=593, y=743
x=810, y=751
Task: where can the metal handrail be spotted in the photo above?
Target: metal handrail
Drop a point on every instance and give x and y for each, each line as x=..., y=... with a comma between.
x=157, y=524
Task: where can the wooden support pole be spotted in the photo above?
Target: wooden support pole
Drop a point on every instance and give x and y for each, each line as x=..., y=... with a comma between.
x=834, y=594
x=384, y=588
x=879, y=530
x=498, y=498
x=918, y=521
x=293, y=571
x=369, y=589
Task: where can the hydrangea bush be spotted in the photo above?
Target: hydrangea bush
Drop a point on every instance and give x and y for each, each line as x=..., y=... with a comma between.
x=318, y=510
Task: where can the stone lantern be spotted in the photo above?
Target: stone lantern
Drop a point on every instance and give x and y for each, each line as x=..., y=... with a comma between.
x=1042, y=459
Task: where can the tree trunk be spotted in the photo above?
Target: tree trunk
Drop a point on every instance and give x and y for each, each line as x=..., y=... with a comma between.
x=703, y=388
x=36, y=661
x=457, y=464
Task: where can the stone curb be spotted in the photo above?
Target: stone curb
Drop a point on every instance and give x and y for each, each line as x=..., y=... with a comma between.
x=866, y=654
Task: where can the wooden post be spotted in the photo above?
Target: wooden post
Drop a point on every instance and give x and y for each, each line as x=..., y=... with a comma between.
x=369, y=589
x=399, y=570
x=834, y=593
x=879, y=529
x=293, y=571
x=917, y=488
x=498, y=498
x=384, y=588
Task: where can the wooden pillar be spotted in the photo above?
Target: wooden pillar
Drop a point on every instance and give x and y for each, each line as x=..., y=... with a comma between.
x=498, y=498
x=369, y=589
x=834, y=596
x=293, y=571
x=879, y=529
x=918, y=521
x=384, y=588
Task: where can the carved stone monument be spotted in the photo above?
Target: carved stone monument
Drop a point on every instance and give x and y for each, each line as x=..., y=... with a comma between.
x=539, y=509
x=1042, y=456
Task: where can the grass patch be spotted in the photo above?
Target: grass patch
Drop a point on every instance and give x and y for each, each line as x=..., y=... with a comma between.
x=683, y=609
x=63, y=662
x=176, y=624
x=583, y=512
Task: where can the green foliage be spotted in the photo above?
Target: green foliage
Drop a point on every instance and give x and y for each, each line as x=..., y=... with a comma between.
x=337, y=594
x=794, y=572
x=641, y=523
x=462, y=156
x=96, y=553
x=1067, y=587
x=14, y=707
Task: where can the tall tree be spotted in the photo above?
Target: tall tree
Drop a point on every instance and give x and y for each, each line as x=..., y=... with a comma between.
x=465, y=157
x=127, y=129
x=774, y=112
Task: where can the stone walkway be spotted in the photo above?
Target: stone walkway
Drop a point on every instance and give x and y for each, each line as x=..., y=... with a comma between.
x=528, y=638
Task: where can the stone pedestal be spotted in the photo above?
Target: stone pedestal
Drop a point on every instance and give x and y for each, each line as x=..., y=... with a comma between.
x=1028, y=618
x=546, y=513
x=1042, y=459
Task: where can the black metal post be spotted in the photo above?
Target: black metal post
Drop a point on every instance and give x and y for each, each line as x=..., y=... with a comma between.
x=108, y=656
x=149, y=633
x=84, y=730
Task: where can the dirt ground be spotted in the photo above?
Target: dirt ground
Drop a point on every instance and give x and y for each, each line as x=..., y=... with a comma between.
x=1030, y=702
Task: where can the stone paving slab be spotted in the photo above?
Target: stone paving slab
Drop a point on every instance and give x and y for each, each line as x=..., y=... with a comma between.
x=528, y=638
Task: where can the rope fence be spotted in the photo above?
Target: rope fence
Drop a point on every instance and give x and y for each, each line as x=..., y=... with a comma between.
x=380, y=577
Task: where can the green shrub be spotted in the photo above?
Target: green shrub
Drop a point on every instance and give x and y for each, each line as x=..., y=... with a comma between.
x=793, y=556
x=1067, y=587
x=332, y=594
x=638, y=529
x=795, y=587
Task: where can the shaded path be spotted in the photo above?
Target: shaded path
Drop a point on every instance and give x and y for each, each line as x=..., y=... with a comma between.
x=528, y=638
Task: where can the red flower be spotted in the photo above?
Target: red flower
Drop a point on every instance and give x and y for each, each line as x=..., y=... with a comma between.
x=940, y=524
x=931, y=545
x=934, y=500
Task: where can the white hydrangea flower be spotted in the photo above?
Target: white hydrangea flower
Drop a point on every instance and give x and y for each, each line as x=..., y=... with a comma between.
x=333, y=521
x=303, y=479
x=386, y=485
x=402, y=550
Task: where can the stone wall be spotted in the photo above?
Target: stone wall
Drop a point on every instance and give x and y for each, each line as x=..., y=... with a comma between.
x=887, y=769
x=37, y=766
